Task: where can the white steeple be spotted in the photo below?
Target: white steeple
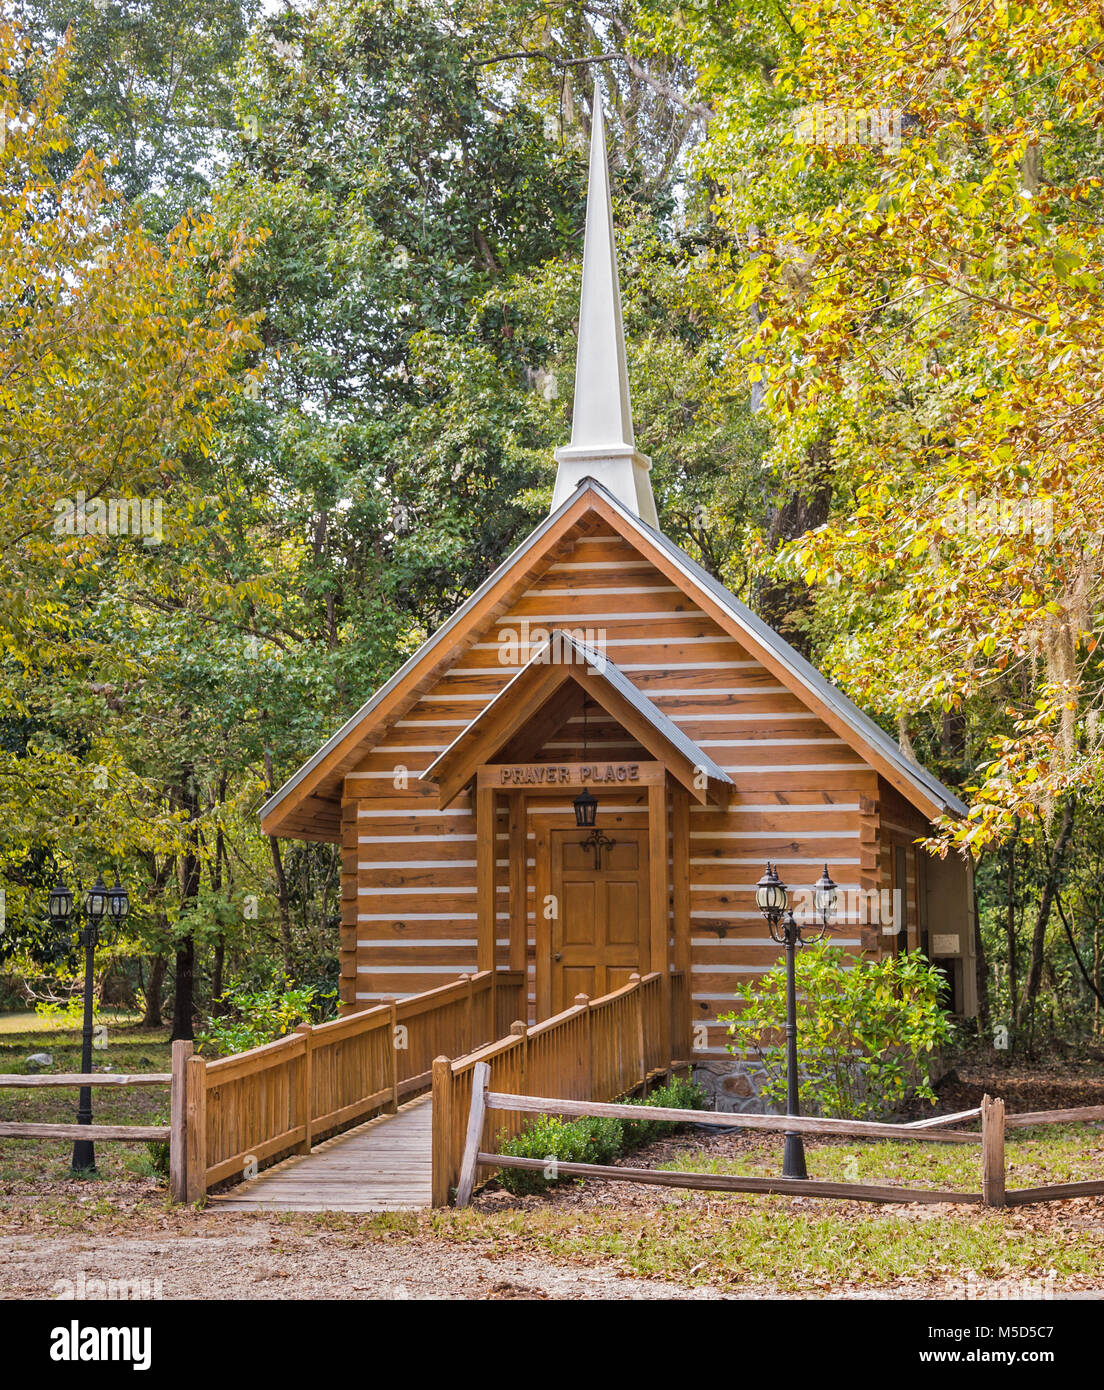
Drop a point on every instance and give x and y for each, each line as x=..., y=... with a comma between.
x=602, y=444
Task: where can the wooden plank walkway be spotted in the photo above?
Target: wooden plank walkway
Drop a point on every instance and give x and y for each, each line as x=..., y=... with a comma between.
x=384, y=1165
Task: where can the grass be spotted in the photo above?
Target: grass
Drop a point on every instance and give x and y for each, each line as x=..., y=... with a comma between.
x=721, y=1241
x=1033, y=1157
x=26, y=1021
x=129, y=1048
x=805, y=1245
x=694, y=1239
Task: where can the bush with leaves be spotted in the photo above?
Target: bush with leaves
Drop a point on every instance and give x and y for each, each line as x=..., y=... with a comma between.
x=588, y=1140
x=678, y=1094
x=260, y=1016
x=866, y=1031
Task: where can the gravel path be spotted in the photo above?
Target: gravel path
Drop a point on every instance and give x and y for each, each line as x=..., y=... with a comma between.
x=269, y=1262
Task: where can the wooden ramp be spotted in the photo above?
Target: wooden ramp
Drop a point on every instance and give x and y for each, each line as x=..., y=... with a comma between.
x=384, y=1165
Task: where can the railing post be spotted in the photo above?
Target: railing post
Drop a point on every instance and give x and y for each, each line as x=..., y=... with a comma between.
x=442, y=1131
x=521, y=1030
x=641, y=1054
x=303, y=1090
x=587, y=1058
x=470, y=1032
x=992, y=1151
x=182, y=1049
x=196, y=1128
x=393, y=1064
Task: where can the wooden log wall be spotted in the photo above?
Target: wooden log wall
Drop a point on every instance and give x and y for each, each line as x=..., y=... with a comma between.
x=803, y=796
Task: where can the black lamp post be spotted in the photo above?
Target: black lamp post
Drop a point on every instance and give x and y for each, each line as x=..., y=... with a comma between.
x=773, y=901
x=100, y=903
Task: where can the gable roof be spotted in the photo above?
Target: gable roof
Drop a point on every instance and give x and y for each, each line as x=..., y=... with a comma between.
x=559, y=661
x=294, y=807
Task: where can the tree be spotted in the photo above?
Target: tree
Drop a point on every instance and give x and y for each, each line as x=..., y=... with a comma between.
x=116, y=359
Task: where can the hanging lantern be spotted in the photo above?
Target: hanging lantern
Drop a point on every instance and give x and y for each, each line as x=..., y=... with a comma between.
x=586, y=808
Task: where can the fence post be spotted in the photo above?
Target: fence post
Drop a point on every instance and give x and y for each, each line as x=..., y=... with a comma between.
x=303, y=1090
x=587, y=1058
x=992, y=1151
x=442, y=1130
x=182, y=1049
x=195, y=1128
x=481, y=1079
x=641, y=1053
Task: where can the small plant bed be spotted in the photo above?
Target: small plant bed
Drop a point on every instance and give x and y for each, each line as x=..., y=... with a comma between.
x=558, y=1140
x=129, y=1049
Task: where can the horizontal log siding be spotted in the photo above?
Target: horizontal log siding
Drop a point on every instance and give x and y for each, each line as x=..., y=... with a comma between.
x=802, y=796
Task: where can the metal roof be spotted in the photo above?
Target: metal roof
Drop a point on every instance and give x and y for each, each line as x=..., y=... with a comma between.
x=803, y=673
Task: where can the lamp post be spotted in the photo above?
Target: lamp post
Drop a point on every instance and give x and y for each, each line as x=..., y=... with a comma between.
x=100, y=903
x=773, y=901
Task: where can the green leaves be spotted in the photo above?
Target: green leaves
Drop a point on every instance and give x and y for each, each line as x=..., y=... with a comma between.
x=865, y=1030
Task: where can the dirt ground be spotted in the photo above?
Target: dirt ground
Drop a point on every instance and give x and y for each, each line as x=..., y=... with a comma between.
x=56, y=1237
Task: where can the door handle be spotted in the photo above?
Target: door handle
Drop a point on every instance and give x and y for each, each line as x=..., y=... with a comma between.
x=558, y=956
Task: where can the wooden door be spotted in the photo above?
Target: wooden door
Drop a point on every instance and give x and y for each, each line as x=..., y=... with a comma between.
x=599, y=936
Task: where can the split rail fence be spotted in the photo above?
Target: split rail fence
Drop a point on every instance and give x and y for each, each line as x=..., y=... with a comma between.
x=994, y=1192
x=126, y=1134
x=604, y=1048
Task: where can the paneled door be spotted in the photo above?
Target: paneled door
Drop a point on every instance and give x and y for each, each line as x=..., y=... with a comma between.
x=599, y=935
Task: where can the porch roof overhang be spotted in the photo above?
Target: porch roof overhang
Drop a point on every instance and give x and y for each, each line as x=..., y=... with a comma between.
x=541, y=693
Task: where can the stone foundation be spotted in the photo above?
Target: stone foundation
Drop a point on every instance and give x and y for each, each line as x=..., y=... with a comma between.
x=731, y=1086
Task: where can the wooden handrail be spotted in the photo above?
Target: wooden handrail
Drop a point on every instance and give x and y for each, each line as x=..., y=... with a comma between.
x=611, y=1044
x=727, y=1182
x=249, y=1109
x=127, y=1134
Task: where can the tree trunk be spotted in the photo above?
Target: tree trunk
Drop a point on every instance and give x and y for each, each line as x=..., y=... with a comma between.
x=1046, y=902
x=153, y=991
x=217, y=1005
x=782, y=603
x=184, y=994
x=184, y=997
x=981, y=971
x=283, y=902
x=1010, y=927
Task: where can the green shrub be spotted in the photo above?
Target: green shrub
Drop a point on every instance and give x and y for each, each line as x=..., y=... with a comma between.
x=678, y=1094
x=587, y=1140
x=158, y=1150
x=259, y=1016
x=865, y=1031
